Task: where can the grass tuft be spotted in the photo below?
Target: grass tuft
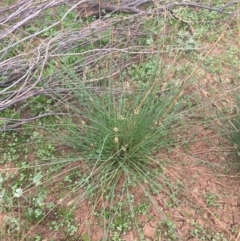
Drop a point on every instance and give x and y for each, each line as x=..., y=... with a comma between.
x=232, y=128
x=117, y=135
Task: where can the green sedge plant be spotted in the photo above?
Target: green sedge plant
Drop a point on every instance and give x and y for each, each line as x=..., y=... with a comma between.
x=232, y=125
x=116, y=134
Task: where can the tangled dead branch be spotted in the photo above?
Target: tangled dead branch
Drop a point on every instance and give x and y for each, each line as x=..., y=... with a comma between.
x=25, y=55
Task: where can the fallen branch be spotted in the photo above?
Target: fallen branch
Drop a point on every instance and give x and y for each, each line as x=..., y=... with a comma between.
x=22, y=72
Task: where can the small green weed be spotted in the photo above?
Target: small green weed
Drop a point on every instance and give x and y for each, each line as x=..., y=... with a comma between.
x=168, y=231
x=12, y=226
x=211, y=200
x=202, y=233
x=65, y=222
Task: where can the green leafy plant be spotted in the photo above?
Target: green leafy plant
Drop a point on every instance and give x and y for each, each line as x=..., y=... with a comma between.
x=64, y=221
x=211, y=199
x=168, y=231
x=202, y=233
